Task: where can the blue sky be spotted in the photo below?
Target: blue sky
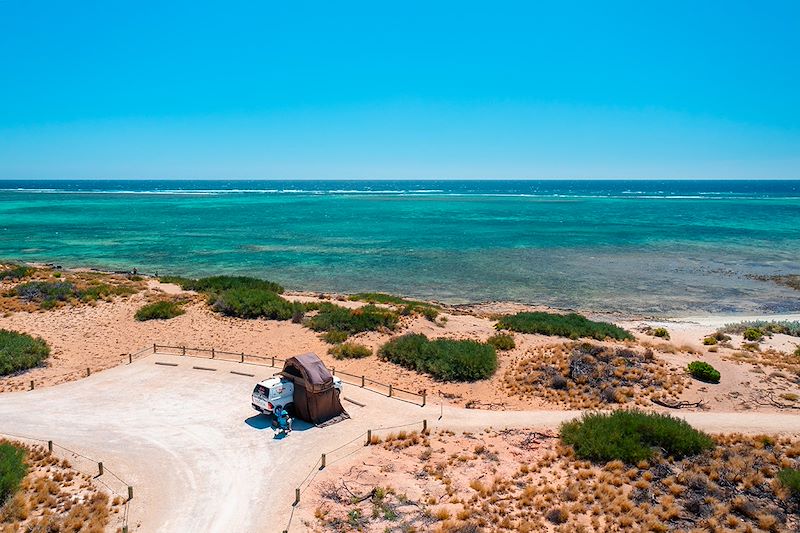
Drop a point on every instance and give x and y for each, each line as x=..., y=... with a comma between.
x=115, y=89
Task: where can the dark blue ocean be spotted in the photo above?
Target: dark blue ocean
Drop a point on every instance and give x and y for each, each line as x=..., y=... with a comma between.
x=636, y=247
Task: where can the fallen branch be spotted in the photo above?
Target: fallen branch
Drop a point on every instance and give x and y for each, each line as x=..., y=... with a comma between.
x=678, y=404
x=490, y=406
x=766, y=399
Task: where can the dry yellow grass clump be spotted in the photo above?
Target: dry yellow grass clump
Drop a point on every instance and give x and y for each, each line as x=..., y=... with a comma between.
x=588, y=376
x=54, y=497
x=517, y=480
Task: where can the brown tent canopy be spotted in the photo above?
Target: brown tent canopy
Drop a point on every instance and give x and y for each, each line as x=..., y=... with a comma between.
x=316, y=400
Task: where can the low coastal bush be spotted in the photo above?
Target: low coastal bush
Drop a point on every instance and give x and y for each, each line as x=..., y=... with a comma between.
x=408, y=307
x=335, y=336
x=218, y=284
x=49, y=293
x=19, y=351
x=502, y=342
x=349, y=350
x=46, y=293
x=710, y=341
x=244, y=302
x=762, y=327
x=661, y=332
x=331, y=317
x=631, y=436
x=704, y=372
x=797, y=351
x=12, y=470
x=97, y=291
x=381, y=298
x=427, y=311
x=753, y=334
x=571, y=325
x=163, y=310
x=16, y=272
x=790, y=478
x=444, y=359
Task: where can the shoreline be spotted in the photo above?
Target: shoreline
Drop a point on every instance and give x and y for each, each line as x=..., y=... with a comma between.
x=486, y=307
x=100, y=334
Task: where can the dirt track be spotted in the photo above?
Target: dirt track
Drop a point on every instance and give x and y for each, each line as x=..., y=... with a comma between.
x=199, y=459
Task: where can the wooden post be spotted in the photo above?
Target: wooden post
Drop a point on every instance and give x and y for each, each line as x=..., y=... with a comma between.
x=50, y=446
x=184, y=350
x=130, y=358
x=31, y=384
x=273, y=361
x=242, y=357
x=424, y=396
x=100, y=468
x=369, y=437
x=212, y=352
x=390, y=390
x=130, y=493
x=424, y=425
x=362, y=382
x=333, y=370
x=154, y=347
x=296, y=496
x=88, y=372
x=323, y=462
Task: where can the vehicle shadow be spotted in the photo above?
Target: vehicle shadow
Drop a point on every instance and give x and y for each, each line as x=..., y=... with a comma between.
x=262, y=421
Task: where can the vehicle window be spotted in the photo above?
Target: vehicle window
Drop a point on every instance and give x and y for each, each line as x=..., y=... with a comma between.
x=262, y=390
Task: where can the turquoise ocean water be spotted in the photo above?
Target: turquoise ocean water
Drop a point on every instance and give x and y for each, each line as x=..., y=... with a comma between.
x=661, y=248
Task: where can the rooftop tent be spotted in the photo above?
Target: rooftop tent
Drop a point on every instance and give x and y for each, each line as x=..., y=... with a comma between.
x=316, y=400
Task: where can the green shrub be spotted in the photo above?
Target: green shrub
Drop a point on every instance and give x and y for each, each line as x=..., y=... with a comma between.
x=631, y=436
x=218, y=284
x=12, y=470
x=764, y=327
x=704, y=372
x=19, y=351
x=349, y=350
x=335, y=336
x=661, y=332
x=797, y=351
x=409, y=307
x=163, y=310
x=180, y=281
x=790, y=478
x=368, y=318
x=101, y=290
x=502, y=342
x=46, y=291
x=16, y=272
x=753, y=334
x=246, y=302
x=425, y=310
x=49, y=293
x=710, y=341
x=571, y=325
x=444, y=359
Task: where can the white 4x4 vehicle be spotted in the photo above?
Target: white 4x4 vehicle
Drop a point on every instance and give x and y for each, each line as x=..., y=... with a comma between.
x=277, y=391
